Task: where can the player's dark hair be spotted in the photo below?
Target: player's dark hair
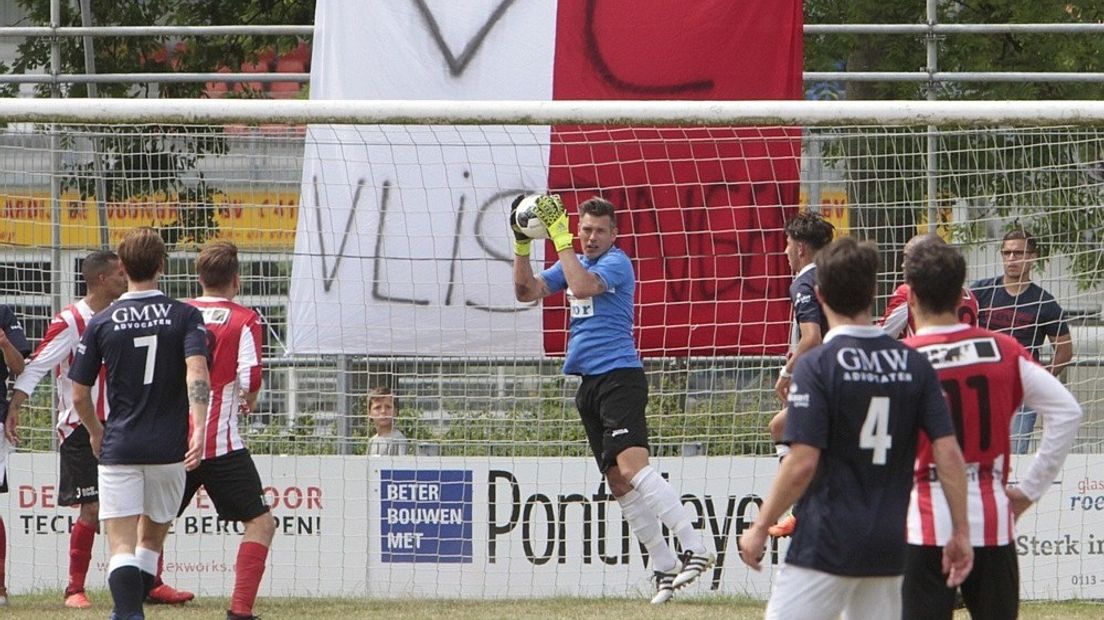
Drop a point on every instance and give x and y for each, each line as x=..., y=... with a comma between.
x=1031, y=243
x=217, y=264
x=98, y=263
x=143, y=253
x=811, y=229
x=599, y=207
x=846, y=274
x=936, y=273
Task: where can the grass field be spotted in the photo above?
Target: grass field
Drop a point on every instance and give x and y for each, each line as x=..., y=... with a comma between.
x=47, y=607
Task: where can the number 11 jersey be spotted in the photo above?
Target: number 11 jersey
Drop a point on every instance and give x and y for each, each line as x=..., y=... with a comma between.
x=980, y=372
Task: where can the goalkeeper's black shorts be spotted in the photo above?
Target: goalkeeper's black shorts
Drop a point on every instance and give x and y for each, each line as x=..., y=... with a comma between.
x=611, y=406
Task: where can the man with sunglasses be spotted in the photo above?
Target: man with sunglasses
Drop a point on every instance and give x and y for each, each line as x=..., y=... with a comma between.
x=1012, y=304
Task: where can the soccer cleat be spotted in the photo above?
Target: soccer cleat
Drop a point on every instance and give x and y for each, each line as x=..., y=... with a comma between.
x=77, y=600
x=693, y=565
x=165, y=594
x=3, y=600
x=233, y=616
x=783, y=528
x=664, y=588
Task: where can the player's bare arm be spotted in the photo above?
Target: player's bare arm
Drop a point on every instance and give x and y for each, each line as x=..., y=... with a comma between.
x=199, y=397
x=86, y=409
x=1063, y=354
x=794, y=476
x=528, y=287
x=11, y=425
x=958, y=554
x=810, y=338
x=13, y=359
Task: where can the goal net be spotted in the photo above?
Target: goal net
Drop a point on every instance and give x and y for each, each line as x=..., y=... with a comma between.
x=374, y=245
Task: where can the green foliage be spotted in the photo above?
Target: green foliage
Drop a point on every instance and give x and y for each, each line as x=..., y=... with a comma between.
x=149, y=54
x=958, y=52
x=153, y=164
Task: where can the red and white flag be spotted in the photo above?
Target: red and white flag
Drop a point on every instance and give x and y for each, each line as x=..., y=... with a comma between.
x=402, y=247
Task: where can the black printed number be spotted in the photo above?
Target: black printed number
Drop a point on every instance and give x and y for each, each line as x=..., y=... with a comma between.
x=979, y=385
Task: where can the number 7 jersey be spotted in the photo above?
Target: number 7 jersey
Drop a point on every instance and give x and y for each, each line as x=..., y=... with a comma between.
x=985, y=376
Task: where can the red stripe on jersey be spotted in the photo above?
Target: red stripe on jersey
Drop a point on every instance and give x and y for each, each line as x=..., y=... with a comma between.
x=101, y=395
x=988, y=507
x=210, y=443
x=924, y=501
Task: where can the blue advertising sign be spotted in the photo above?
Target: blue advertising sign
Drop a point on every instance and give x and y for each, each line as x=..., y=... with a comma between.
x=426, y=515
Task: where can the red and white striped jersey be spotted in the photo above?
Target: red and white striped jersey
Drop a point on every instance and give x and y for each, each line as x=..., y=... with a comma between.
x=235, y=367
x=898, y=322
x=985, y=378
x=56, y=351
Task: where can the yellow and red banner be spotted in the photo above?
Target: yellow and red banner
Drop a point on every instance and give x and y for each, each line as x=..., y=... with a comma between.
x=253, y=220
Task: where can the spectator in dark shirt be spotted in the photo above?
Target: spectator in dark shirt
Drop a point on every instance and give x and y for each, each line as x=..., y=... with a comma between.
x=1012, y=304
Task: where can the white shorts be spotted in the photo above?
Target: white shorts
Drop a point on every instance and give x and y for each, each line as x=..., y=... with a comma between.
x=811, y=594
x=151, y=490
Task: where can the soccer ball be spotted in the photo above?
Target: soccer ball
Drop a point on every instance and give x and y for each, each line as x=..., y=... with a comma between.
x=525, y=218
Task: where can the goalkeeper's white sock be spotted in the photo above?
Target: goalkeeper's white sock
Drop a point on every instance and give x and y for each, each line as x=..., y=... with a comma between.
x=644, y=523
x=664, y=501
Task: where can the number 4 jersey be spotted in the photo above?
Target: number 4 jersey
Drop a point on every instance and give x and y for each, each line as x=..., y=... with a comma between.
x=985, y=376
x=863, y=399
x=143, y=340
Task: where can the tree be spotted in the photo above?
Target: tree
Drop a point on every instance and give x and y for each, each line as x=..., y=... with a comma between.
x=885, y=170
x=160, y=163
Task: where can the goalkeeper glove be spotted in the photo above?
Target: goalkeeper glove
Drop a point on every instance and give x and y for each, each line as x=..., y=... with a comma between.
x=522, y=243
x=550, y=211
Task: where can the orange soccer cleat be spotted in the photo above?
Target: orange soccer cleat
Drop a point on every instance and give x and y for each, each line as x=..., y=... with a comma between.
x=77, y=600
x=165, y=594
x=783, y=528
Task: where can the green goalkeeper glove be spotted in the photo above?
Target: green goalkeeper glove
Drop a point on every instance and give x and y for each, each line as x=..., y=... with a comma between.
x=550, y=211
x=522, y=243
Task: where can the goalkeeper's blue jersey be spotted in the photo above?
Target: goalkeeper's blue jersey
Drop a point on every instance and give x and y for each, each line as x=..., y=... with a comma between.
x=862, y=398
x=601, y=336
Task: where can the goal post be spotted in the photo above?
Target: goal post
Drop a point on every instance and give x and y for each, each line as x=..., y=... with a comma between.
x=373, y=242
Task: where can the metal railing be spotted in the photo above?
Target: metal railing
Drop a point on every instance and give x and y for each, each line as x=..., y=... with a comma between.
x=931, y=33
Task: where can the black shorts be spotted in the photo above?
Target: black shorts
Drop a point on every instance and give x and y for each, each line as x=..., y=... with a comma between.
x=232, y=483
x=992, y=590
x=79, y=482
x=611, y=407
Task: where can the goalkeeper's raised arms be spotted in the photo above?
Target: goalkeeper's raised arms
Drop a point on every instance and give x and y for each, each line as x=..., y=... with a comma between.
x=551, y=212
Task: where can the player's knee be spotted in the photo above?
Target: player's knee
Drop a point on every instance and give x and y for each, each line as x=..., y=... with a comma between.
x=618, y=484
x=90, y=514
x=261, y=528
x=776, y=427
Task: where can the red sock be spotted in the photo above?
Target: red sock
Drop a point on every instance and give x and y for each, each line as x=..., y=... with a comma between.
x=3, y=557
x=160, y=568
x=80, y=554
x=250, y=568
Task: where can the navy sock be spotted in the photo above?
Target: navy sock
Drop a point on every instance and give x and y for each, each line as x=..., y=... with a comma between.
x=127, y=591
x=148, y=581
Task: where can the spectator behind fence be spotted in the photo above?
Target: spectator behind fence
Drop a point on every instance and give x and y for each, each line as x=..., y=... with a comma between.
x=388, y=440
x=1012, y=304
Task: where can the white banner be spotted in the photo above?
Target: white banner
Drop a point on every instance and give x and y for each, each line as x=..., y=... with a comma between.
x=500, y=527
x=402, y=246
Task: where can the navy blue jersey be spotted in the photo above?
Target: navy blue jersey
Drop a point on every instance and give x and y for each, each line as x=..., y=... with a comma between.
x=143, y=339
x=862, y=398
x=1028, y=317
x=18, y=338
x=806, y=308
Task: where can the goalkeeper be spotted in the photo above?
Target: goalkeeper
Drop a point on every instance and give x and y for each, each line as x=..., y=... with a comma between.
x=614, y=390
